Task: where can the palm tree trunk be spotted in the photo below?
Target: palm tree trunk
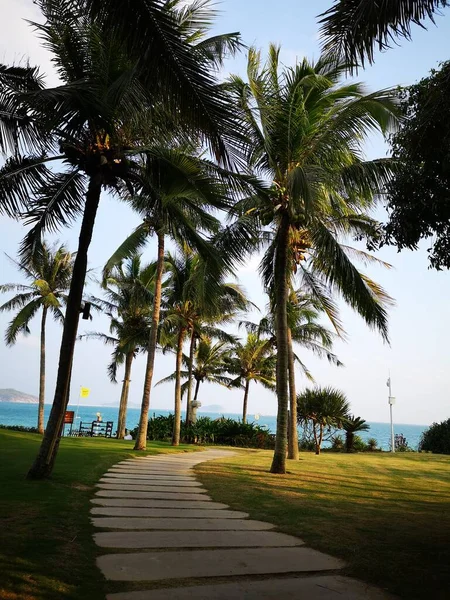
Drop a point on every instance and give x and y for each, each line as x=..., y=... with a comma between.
x=177, y=416
x=141, y=439
x=281, y=293
x=42, y=374
x=43, y=464
x=197, y=387
x=293, y=431
x=349, y=437
x=244, y=410
x=190, y=369
x=121, y=422
x=319, y=442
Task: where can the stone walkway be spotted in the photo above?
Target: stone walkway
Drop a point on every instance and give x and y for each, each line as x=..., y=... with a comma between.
x=154, y=505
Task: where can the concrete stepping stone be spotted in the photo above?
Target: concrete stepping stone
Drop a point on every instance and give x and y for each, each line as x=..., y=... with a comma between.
x=180, y=524
x=143, y=503
x=157, y=566
x=168, y=513
x=194, y=539
x=150, y=488
x=151, y=479
x=160, y=495
x=149, y=471
x=323, y=587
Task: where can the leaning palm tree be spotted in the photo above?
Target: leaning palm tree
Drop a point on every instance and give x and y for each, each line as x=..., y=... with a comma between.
x=306, y=132
x=127, y=301
x=322, y=408
x=90, y=128
x=253, y=360
x=49, y=274
x=354, y=28
x=351, y=426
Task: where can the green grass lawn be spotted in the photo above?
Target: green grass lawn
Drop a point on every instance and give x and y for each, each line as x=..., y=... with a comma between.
x=387, y=516
x=46, y=549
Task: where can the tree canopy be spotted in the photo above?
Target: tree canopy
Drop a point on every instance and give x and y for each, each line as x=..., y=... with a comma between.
x=418, y=196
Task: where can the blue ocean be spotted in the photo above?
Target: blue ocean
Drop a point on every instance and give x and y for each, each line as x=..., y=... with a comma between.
x=12, y=413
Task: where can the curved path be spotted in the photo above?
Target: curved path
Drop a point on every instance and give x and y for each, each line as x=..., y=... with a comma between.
x=165, y=534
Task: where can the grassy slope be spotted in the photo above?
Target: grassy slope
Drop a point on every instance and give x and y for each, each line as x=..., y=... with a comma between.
x=387, y=516
x=46, y=549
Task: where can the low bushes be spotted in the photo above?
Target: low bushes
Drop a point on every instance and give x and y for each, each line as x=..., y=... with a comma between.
x=222, y=431
x=20, y=428
x=436, y=438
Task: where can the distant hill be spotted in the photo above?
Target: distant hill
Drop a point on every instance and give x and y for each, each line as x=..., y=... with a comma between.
x=19, y=397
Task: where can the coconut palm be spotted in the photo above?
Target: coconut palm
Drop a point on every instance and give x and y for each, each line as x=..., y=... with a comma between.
x=90, y=127
x=322, y=407
x=49, y=274
x=209, y=364
x=253, y=360
x=128, y=299
x=188, y=305
x=305, y=331
x=305, y=132
x=353, y=29
x=351, y=426
x=179, y=193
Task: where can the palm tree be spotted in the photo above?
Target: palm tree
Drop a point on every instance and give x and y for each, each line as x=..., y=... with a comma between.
x=351, y=426
x=128, y=301
x=305, y=133
x=252, y=361
x=49, y=274
x=209, y=364
x=354, y=28
x=178, y=194
x=305, y=330
x=322, y=407
x=98, y=118
x=195, y=294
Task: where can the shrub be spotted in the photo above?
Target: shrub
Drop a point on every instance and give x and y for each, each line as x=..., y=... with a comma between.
x=222, y=431
x=20, y=428
x=436, y=438
x=337, y=443
x=372, y=444
x=359, y=444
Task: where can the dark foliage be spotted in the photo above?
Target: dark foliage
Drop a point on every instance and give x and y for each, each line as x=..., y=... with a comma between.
x=418, y=198
x=222, y=431
x=20, y=428
x=436, y=439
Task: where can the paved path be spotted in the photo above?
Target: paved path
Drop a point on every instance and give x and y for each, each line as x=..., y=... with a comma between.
x=165, y=534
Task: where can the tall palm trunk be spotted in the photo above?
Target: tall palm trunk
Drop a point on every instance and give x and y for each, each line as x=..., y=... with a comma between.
x=141, y=439
x=189, y=382
x=197, y=387
x=42, y=374
x=121, y=422
x=244, y=409
x=293, y=431
x=177, y=417
x=43, y=464
x=281, y=292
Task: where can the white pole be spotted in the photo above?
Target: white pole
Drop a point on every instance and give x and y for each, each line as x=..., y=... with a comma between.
x=390, y=410
x=78, y=405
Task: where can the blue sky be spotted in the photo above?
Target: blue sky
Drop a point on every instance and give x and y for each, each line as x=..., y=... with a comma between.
x=418, y=357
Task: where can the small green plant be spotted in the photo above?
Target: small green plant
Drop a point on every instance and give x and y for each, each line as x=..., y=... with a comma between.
x=372, y=444
x=337, y=443
x=359, y=445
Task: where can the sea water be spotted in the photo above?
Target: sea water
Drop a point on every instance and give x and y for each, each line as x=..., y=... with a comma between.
x=13, y=413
